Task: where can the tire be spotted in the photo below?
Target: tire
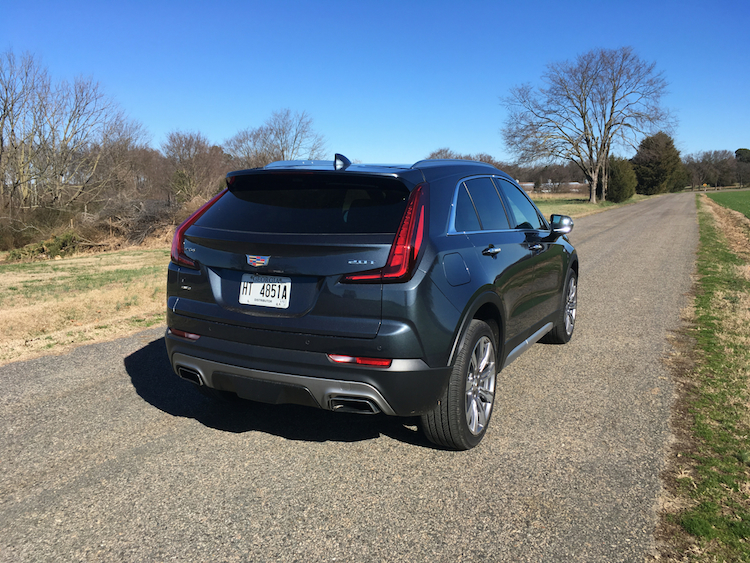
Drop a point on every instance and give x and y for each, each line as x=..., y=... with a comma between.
x=566, y=317
x=460, y=419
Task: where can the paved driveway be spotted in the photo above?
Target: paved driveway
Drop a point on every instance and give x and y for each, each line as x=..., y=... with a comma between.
x=107, y=456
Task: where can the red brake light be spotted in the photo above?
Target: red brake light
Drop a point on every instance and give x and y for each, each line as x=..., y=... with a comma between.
x=183, y=334
x=373, y=362
x=178, y=242
x=405, y=248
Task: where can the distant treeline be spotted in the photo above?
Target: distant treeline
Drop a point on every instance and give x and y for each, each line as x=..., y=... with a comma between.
x=70, y=159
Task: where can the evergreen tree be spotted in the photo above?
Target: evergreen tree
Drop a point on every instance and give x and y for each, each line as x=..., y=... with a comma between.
x=622, y=180
x=658, y=166
x=743, y=165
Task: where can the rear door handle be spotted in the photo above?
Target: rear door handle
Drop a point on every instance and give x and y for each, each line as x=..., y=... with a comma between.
x=491, y=251
x=536, y=246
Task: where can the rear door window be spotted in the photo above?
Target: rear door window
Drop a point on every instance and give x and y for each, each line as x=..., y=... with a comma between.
x=479, y=207
x=488, y=204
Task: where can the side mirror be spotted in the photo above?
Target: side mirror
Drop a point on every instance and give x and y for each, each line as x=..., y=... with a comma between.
x=561, y=224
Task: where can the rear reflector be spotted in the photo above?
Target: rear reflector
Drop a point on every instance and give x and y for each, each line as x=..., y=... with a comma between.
x=374, y=362
x=183, y=334
x=404, y=254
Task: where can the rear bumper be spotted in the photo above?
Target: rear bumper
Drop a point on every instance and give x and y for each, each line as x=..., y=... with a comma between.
x=276, y=375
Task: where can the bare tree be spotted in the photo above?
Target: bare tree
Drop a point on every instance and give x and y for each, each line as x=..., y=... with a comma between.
x=197, y=167
x=21, y=117
x=125, y=167
x=53, y=137
x=284, y=136
x=81, y=126
x=291, y=136
x=445, y=152
x=602, y=98
x=448, y=153
x=715, y=168
x=247, y=149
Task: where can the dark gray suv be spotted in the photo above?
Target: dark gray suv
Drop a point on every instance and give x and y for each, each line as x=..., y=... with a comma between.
x=369, y=288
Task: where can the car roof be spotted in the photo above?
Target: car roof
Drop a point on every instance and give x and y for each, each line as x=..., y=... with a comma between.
x=329, y=165
x=430, y=168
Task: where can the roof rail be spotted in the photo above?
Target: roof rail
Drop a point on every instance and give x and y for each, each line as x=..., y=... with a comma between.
x=439, y=161
x=292, y=163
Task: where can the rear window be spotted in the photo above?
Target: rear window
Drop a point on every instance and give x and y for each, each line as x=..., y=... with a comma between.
x=309, y=203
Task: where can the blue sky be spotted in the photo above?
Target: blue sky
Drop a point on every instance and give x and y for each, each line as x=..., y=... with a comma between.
x=384, y=81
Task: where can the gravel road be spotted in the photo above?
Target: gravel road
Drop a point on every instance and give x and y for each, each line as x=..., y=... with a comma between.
x=105, y=455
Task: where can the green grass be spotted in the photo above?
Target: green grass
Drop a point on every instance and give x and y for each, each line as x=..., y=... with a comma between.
x=73, y=278
x=718, y=488
x=739, y=201
x=79, y=281
x=148, y=321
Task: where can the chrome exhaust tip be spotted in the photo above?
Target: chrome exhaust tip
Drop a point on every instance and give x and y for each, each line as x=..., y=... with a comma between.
x=357, y=405
x=190, y=375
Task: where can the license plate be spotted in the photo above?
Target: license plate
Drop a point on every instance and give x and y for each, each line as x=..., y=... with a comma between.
x=265, y=291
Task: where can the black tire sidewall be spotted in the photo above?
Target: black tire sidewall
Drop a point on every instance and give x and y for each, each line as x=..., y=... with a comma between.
x=558, y=334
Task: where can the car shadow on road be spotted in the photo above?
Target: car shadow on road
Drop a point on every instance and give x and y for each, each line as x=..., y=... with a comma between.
x=153, y=379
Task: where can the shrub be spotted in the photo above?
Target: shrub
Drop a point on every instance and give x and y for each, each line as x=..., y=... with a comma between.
x=622, y=180
x=59, y=245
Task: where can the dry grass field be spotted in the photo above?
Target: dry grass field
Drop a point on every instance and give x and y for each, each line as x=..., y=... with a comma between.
x=50, y=306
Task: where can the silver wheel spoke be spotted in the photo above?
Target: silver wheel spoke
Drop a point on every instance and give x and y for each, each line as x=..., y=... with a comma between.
x=487, y=377
x=469, y=382
x=474, y=417
x=571, y=304
x=485, y=352
x=487, y=396
x=481, y=418
x=480, y=385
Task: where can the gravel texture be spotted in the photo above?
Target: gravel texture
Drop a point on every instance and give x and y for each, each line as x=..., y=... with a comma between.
x=107, y=456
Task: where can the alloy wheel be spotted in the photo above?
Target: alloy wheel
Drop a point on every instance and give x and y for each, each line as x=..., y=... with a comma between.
x=571, y=305
x=480, y=385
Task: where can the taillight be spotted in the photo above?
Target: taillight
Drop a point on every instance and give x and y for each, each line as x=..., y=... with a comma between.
x=183, y=334
x=178, y=242
x=407, y=243
x=372, y=362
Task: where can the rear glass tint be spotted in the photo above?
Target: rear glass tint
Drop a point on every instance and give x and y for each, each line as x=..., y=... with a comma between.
x=309, y=203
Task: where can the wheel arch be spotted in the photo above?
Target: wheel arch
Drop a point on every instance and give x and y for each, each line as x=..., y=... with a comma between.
x=574, y=264
x=487, y=309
